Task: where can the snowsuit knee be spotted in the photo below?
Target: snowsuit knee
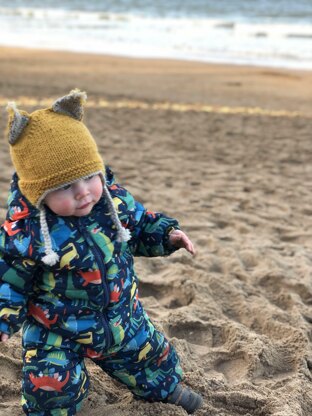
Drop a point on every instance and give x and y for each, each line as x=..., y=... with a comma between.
x=56, y=379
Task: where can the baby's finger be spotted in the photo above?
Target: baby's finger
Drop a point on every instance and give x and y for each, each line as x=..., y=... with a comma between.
x=4, y=337
x=189, y=246
x=191, y=249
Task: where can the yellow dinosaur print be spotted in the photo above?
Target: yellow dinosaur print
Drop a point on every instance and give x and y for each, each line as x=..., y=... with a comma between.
x=144, y=352
x=29, y=354
x=87, y=338
x=8, y=311
x=68, y=257
x=117, y=201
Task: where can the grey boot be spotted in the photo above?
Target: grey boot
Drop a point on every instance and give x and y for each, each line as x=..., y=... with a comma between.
x=187, y=398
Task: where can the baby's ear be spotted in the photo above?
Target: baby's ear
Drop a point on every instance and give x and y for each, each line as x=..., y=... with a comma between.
x=17, y=123
x=71, y=105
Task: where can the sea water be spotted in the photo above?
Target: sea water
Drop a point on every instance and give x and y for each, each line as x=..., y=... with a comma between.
x=256, y=32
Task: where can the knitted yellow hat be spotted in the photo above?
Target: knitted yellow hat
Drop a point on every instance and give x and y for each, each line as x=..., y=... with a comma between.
x=52, y=147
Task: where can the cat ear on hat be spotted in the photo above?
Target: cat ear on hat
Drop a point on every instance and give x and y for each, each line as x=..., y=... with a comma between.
x=17, y=123
x=71, y=105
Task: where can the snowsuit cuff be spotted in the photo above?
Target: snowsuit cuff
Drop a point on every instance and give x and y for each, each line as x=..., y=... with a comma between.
x=168, y=247
x=5, y=328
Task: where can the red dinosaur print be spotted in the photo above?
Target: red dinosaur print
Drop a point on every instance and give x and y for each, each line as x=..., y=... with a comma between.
x=136, y=301
x=9, y=227
x=98, y=355
x=116, y=292
x=30, y=249
x=94, y=354
x=41, y=316
x=48, y=383
x=18, y=215
x=91, y=277
x=151, y=213
x=164, y=355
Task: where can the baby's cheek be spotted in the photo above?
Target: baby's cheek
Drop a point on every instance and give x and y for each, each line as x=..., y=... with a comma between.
x=65, y=207
x=60, y=206
x=97, y=188
x=98, y=194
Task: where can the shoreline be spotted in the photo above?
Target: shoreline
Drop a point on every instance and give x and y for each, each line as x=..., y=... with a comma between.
x=156, y=59
x=154, y=80
x=164, y=58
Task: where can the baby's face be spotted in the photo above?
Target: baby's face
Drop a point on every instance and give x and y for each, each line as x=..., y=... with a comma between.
x=76, y=199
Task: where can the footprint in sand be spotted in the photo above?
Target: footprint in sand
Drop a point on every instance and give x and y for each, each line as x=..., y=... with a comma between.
x=192, y=332
x=200, y=336
x=170, y=295
x=234, y=369
x=10, y=369
x=283, y=287
x=239, y=403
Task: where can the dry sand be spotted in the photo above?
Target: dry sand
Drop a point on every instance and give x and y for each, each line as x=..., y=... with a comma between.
x=239, y=181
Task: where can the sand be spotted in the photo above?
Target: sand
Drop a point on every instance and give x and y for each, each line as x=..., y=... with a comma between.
x=227, y=151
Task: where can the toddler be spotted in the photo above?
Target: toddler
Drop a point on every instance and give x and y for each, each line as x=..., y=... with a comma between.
x=66, y=268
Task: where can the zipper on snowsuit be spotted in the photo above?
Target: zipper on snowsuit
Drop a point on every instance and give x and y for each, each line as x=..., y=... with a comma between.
x=98, y=258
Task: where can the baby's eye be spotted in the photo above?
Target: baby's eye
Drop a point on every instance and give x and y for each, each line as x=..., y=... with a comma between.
x=65, y=187
x=89, y=177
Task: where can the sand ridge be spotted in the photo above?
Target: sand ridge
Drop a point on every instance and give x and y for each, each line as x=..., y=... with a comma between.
x=239, y=312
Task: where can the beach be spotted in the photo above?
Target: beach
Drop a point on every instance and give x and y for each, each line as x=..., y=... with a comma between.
x=225, y=149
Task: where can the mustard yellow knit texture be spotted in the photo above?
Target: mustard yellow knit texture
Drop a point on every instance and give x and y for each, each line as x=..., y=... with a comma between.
x=54, y=149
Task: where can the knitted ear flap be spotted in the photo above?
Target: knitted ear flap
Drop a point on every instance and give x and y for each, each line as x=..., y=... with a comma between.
x=71, y=105
x=17, y=122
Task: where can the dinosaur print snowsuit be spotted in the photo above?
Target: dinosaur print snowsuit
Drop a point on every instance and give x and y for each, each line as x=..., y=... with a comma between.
x=86, y=305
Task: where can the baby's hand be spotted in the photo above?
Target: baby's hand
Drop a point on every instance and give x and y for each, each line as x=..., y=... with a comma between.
x=3, y=337
x=179, y=239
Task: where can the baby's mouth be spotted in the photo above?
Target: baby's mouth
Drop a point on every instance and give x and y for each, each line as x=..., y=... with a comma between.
x=85, y=205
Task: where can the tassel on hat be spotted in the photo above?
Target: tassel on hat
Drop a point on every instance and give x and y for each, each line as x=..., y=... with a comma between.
x=59, y=134
x=51, y=257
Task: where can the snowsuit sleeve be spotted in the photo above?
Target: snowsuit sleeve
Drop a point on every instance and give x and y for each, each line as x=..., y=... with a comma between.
x=16, y=280
x=149, y=230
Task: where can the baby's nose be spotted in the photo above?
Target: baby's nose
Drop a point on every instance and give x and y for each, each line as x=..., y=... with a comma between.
x=81, y=189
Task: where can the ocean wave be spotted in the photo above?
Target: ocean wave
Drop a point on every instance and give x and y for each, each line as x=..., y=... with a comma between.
x=300, y=35
x=200, y=38
x=50, y=14
x=203, y=24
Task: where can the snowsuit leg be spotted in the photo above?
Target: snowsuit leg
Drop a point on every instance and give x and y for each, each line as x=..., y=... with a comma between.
x=148, y=365
x=55, y=381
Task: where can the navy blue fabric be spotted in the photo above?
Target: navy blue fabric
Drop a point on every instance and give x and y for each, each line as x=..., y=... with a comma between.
x=56, y=380
x=87, y=304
